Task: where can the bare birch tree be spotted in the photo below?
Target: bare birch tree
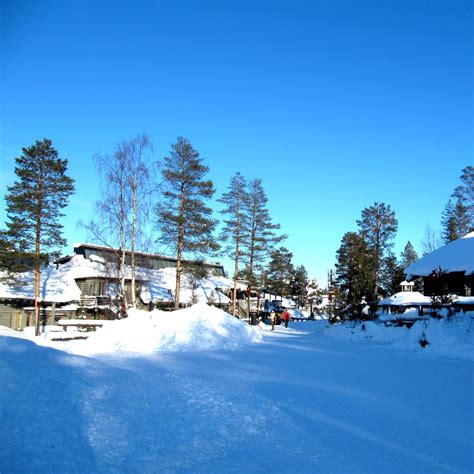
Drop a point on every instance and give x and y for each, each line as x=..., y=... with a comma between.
x=123, y=208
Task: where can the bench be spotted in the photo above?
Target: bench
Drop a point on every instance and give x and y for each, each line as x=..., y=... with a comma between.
x=80, y=323
x=75, y=323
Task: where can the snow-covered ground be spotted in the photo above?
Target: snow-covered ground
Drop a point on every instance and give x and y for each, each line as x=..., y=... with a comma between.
x=207, y=393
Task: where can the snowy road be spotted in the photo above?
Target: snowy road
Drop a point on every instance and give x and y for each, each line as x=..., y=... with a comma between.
x=298, y=402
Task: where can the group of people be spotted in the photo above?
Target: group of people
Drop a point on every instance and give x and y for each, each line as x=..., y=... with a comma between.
x=285, y=316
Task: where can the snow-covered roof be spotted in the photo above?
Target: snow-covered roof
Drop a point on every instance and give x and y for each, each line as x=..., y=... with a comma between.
x=456, y=256
x=58, y=282
x=57, y=286
x=405, y=298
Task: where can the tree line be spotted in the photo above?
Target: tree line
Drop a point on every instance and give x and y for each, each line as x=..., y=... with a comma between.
x=366, y=266
x=142, y=202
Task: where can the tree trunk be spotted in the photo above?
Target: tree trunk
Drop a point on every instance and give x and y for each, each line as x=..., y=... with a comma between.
x=178, y=274
x=180, y=241
x=39, y=210
x=249, y=286
x=123, y=277
x=123, y=245
x=37, y=284
x=236, y=276
x=132, y=250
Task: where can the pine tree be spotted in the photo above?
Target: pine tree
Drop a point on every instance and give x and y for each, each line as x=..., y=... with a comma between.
x=448, y=223
x=299, y=285
x=260, y=236
x=280, y=270
x=196, y=271
x=465, y=193
x=236, y=223
x=408, y=256
x=183, y=218
x=355, y=269
x=34, y=205
x=392, y=275
x=378, y=225
x=455, y=220
x=313, y=293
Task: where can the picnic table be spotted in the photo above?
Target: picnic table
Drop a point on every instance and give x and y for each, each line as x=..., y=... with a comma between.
x=80, y=323
x=74, y=323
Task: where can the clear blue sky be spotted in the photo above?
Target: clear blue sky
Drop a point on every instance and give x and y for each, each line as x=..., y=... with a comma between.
x=334, y=104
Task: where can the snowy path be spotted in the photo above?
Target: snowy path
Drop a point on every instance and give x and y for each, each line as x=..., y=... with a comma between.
x=299, y=402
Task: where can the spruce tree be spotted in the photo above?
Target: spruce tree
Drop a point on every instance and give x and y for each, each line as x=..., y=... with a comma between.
x=465, y=193
x=34, y=205
x=355, y=269
x=408, y=256
x=448, y=223
x=236, y=223
x=378, y=226
x=299, y=285
x=455, y=221
x=184, y=221
x=280, y=271
x=392, y=275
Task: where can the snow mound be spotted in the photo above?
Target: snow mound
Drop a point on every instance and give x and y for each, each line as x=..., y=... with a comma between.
x=404, y=298
x=197, y=328
x=450, y=337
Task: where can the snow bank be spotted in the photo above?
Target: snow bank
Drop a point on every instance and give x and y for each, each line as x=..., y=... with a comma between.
x=452, y=337
x=197, y=328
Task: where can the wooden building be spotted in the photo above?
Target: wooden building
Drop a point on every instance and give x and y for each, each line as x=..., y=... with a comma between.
x=449, y=269
x=88, y=284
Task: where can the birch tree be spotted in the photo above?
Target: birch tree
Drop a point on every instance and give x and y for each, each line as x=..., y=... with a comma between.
x=122, y=211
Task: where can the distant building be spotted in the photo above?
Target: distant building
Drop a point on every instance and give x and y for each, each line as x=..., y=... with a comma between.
x=450, y=267
x=448, y=271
